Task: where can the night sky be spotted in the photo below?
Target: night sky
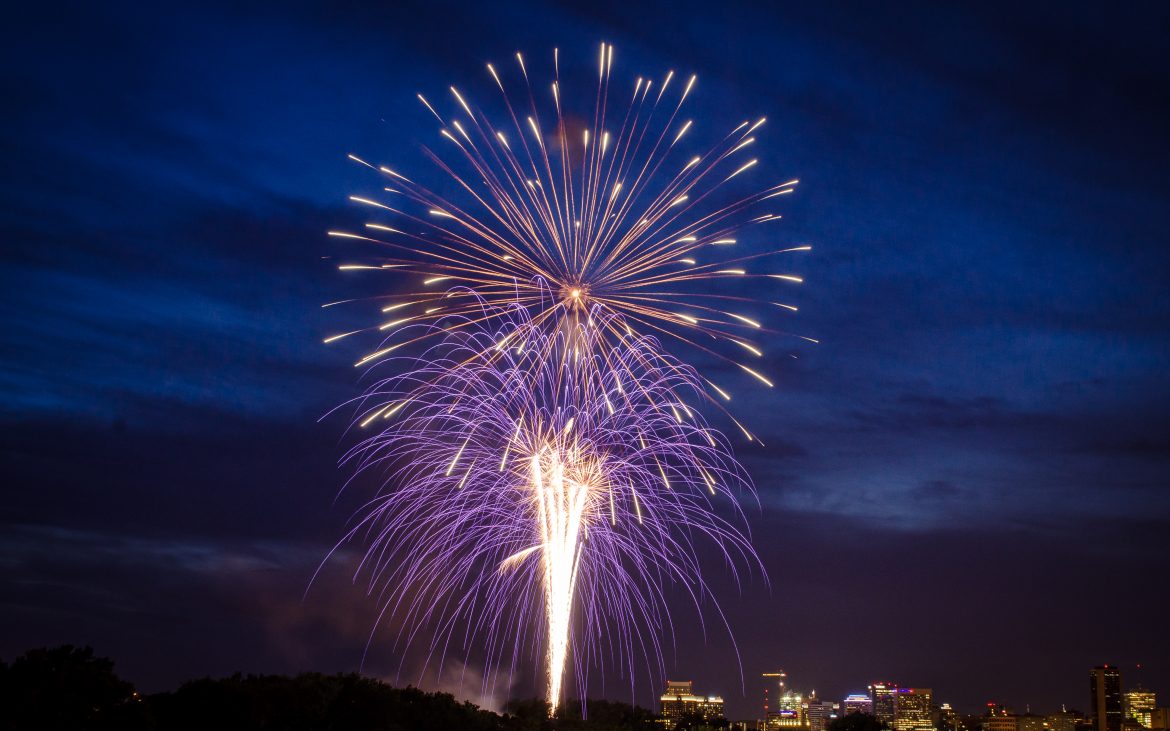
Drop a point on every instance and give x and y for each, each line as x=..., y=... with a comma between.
x=964, y=485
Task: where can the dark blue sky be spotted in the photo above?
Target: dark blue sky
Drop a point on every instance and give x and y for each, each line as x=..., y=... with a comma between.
x=965, y=485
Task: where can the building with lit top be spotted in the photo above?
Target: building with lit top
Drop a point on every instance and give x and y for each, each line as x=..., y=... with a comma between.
x=857, y=703
x=1139, y=704
x=679, y=700
x=1105, y=686
x=912, y=710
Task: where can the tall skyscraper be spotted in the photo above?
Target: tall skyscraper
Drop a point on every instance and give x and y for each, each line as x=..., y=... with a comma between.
x=1139, y=704
x=884, y=697
x=912, y=710
x=1105, y=685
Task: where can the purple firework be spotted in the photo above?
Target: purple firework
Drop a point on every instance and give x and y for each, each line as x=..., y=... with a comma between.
x=539, y=493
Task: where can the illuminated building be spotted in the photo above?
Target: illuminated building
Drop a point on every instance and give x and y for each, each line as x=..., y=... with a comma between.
x=1139, y=704
x=1105, y=685
x=884, y=697
x=912, y=710
x=789, y=711
x=680, y=700
x=857, y=703
x=818, y=713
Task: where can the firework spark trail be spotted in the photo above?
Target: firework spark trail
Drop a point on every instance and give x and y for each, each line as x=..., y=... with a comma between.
x=528, y=470
x=621, y=221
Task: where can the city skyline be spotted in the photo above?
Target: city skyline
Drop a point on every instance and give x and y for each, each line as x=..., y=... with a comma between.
x=906, y=708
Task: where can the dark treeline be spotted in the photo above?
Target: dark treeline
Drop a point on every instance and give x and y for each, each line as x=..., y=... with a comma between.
x=858, y=722
x=70, y=688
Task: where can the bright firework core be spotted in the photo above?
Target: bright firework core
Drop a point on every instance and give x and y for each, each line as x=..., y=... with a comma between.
x=575, y=296
x=564, y=485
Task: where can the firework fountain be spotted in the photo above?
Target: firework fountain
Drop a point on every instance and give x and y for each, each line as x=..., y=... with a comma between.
x=527, y=424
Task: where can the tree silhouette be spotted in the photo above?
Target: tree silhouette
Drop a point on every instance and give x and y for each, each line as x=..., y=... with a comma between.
x=531, y=714
x=857, y=722
x=314, y=701
x=65, y=688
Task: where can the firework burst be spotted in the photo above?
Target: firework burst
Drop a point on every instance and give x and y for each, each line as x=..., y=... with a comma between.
x=618, y=220
x=543, y=478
